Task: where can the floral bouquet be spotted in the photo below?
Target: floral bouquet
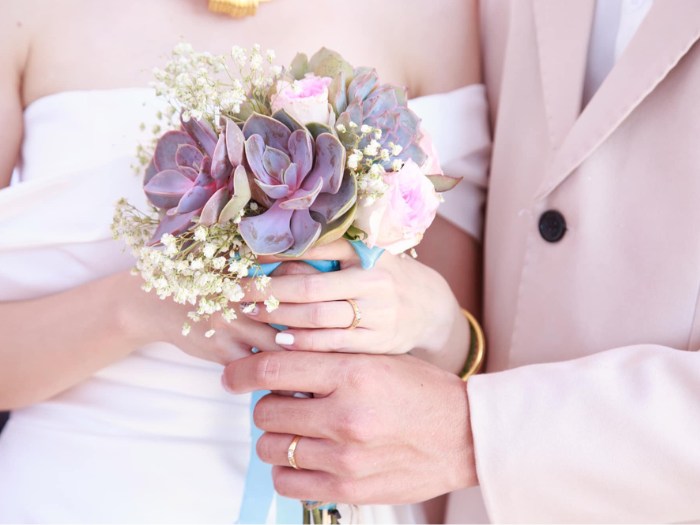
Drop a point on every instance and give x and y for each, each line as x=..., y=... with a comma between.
x=263, y=160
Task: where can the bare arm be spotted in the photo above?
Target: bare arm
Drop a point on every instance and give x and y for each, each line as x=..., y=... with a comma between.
x=47, y=344
x=453, y=62
x=13, y=54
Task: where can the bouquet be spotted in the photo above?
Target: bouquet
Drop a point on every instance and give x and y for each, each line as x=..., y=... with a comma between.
x=252, y=159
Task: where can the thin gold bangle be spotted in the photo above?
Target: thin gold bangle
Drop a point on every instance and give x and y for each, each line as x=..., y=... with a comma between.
x=477, y=348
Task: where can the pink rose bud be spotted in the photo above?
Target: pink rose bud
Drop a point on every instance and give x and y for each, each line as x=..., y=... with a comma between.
x=398, y=220
x=306, y=100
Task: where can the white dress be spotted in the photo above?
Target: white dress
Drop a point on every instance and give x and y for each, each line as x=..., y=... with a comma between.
x=153, y=437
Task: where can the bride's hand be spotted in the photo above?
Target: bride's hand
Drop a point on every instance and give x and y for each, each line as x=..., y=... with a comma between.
x=403, y=305
x=146, y=318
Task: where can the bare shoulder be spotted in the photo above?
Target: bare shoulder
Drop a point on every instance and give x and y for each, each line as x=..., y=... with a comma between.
x=14, y=49
x=441, y=43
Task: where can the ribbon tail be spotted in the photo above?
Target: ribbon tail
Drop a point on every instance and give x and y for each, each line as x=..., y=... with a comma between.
x=368, y=256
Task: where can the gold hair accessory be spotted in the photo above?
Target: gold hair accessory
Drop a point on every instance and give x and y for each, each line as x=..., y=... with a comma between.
x=477, y=348
x=356, y=314
x=235, y=8
x=290, y=453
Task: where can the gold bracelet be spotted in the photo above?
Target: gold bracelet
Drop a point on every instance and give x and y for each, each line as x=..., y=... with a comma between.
x=477, y=348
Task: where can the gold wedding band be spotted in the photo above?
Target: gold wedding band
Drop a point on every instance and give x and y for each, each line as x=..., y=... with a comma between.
x=290, y=453
x=356, y=314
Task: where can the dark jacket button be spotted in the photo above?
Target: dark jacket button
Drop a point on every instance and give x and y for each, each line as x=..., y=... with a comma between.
x=552, y=226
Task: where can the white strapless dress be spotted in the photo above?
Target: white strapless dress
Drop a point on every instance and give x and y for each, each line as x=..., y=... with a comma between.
x=153, y=437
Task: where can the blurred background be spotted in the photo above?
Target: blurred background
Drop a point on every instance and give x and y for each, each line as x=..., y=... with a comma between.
x=3, y=419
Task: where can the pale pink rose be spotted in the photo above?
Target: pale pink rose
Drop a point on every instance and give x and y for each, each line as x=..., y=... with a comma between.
x=431, y=166
x=306, y=100
x=397, y=221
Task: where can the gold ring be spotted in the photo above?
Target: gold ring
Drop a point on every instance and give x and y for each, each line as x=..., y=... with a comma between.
x=356, y=314
x=290, y=453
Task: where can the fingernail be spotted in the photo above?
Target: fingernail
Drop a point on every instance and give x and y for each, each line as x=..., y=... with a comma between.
x=284, y=338
x=250, y=309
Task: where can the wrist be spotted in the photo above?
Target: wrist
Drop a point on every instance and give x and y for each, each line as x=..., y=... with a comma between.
x=464, y=463
x=449, y=347
x=133, y=310
x=443, y=315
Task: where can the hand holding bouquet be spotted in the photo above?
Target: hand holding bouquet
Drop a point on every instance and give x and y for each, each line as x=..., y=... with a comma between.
x=267, y=160
x=273, y=161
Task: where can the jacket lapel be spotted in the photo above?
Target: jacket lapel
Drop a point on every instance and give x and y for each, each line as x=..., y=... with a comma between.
x=666, y=34
x=562, y=42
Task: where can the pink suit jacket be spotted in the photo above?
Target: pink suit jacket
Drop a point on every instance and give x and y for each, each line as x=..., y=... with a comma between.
x=590, y=410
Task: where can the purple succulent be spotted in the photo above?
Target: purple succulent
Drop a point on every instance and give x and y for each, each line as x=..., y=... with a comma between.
x=357, y=96
x=190, y=175
x=300, y=181
x=382, y=106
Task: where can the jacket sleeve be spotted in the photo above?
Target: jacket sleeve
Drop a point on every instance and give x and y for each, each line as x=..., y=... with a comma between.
x=611, y=437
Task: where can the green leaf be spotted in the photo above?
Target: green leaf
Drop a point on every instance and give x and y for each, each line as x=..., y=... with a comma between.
x=355, y=234
x=336, y=229
x=328, y=63
x=241, y=196
x=316, y=128
x=288, y=120
x=444, y=183
x=299, y=66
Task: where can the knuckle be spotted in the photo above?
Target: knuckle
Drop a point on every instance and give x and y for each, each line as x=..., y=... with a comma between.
x=346, y=461
x=348, y=490
x=317, y=315
x=355, y=425
x=266, y=370
x=337, y=340
x=310, y=287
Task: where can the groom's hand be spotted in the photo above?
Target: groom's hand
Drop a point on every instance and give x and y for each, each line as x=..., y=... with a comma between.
x=380, y=429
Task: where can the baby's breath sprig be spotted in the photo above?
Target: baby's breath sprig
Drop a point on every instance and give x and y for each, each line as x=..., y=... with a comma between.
x=258, y=74
x=202, y=267
x=202, y=85
x=367, y=158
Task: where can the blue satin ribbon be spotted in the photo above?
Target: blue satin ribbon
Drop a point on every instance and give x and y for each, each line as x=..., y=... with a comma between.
x=259, y=492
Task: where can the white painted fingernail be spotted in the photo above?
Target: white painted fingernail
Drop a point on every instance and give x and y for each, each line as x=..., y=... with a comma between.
x=283, y=338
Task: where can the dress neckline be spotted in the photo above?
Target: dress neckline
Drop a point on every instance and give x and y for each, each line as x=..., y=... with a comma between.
x=142, y=91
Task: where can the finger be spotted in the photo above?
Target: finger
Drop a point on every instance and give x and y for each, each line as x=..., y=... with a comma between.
x=360, y=340
x=329, y=314
x=310, y=453
x=309, y=417
x=340, y=250
x=320, y=454
x=313, y=485
x=312, y=288
x=260, y=337
x=295, y=371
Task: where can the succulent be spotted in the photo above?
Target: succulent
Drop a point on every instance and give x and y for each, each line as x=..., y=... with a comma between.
x=193, y=173
x=301, y=182
x=357, y=96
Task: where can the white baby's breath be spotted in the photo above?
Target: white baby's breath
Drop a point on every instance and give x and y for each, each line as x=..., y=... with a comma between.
x=271, y=304
x=201, y=268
